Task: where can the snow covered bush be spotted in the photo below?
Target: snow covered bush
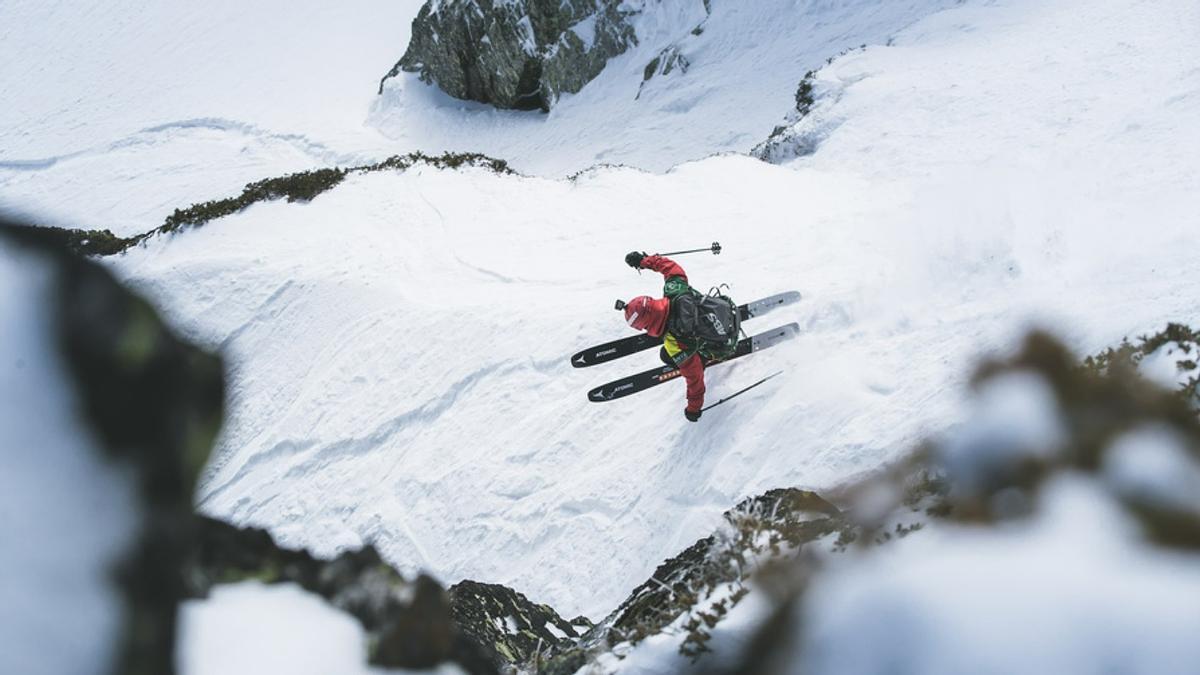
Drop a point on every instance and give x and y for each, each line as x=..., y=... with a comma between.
x=1168, y=357
x=1070, y=507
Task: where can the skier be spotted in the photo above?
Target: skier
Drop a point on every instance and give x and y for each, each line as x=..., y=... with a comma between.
x=693, y=326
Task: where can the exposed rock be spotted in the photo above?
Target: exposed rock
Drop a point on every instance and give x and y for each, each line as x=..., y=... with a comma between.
x=788, y=517
x=668, y=60
x=519, y=54
x=525, y=635
x=672, y=57
x=811, y=121
x=1114, y=429
x=799, y=135
x=516, y=629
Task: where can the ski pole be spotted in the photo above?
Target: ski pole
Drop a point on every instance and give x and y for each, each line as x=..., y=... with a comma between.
x=740, y=392
x=715, y=248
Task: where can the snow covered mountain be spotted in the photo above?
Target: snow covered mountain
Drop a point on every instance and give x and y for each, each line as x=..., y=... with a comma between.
x=156, y=122
x=365, y=326
x=955, y=174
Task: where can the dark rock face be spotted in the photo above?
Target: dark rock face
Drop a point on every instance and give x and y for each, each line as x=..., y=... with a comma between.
x=516, y=629
x=519, y=54
x=789, y=517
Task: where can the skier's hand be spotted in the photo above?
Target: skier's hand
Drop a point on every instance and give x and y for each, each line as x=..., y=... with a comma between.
x=692, y=416
x=634, y=259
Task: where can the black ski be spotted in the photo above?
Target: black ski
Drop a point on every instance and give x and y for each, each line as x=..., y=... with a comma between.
x=655, y=376
x=615, y=349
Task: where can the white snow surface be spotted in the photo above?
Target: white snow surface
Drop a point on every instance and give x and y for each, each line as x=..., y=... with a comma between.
x=251, y=628
x=1072, y=592
x=398, y=346
x=121, y=112
x=125, y=111
x=66, y=515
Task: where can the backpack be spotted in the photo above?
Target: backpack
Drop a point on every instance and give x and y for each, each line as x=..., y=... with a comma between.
x=710, y=324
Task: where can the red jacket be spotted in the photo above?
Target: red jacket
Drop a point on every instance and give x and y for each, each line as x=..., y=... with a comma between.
x=690, y=364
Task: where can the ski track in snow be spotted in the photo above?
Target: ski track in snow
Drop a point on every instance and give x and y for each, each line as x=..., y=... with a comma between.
x=156, y=134
x=397, y=347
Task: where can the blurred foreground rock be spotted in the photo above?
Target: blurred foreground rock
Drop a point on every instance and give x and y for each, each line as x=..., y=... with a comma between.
x=136, y=401
x=108, y=418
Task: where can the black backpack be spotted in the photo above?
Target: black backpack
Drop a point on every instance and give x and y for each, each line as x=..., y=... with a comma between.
x=707, y=323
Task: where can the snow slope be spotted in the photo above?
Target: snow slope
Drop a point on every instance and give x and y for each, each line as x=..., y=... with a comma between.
x=122, y=112
x=129, y=111
x=400, y=350
x=744, y=68
x=399, y=344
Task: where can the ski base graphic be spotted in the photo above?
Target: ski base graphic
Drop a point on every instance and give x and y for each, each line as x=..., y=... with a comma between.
x=656, y=376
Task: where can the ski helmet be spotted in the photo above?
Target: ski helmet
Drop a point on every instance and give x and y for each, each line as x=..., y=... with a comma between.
x=648, y=314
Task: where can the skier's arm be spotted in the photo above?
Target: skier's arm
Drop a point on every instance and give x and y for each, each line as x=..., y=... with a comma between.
x=664, y=266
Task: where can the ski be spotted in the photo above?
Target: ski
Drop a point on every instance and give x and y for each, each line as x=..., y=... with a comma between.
x=615, y=349
x=655, y=376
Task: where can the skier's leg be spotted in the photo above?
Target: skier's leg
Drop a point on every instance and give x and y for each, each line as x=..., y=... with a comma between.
x=666, y=358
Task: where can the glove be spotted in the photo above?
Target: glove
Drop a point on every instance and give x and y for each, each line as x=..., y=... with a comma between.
x=692, y=416
x=634, y=259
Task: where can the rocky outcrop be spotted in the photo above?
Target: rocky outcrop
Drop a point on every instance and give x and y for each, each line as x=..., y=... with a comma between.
x=673, y=57
x=800, y=133
x=696, y=588
x=784, y=518
x=811, y=121
x=519, y=54
x=517, y=630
